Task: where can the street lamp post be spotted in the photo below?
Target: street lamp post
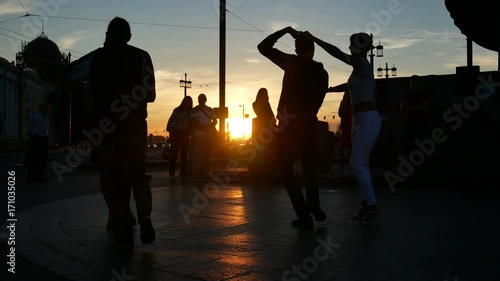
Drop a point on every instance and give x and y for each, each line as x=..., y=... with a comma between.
x=380, y=52
x=386, y=69
x=185, y=84
x=243, y=122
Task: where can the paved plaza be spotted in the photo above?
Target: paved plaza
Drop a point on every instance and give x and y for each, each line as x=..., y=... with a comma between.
x=239, y=230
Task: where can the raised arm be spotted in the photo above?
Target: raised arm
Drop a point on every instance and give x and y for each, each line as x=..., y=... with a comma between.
x=149, y=82
x=332, y=50
x=266, y=46
x=338, y=89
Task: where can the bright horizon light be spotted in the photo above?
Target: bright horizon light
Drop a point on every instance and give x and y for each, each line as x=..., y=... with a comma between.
x=238, y=129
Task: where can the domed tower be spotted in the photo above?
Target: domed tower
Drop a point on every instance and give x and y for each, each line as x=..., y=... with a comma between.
x=43, y=56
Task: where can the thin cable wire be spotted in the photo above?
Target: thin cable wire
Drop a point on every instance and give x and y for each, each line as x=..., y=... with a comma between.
x=424, y=53
x=278, y=41
x=27, y=13
x=11, y=36
x=398, y=37
x=145, y=23
x=31, y=38
x=18, y=17
x=229, y=29
x=256, y=28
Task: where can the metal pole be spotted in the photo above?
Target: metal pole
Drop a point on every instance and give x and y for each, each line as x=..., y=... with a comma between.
x=185, y=84
x=371, y=53
x=469, y=52
x=386, y=71
x=498, y=52
x=243, y=123
x=70, y=119
x=222, y=67
x=22, y=122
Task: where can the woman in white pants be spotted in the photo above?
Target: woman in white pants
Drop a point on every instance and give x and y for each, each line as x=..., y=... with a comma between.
x=366, y=119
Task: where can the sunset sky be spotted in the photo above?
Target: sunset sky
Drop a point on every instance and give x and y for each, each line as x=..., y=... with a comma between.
x=182, y=36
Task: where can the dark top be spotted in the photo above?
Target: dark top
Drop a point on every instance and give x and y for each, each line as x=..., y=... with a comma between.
x=345, y=111
x=122, y=82
x=179, y=120
x=263, y=110
x=305, y=81
x=415, y=98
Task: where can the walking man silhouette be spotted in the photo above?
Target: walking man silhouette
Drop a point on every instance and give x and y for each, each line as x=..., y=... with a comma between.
x=122, y=83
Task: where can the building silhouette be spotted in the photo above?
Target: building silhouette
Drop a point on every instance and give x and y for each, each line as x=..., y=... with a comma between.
x=33, y=78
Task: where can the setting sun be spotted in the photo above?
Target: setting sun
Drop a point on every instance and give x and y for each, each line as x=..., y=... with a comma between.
x=239, y=129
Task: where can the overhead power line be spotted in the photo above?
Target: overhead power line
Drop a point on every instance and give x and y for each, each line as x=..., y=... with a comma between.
x=15, y=18
x=27, y=13
x=31, y=38
x=255, y=29
x=426, y=52
x=278, y=41
x=145, y=23
x=11, y=36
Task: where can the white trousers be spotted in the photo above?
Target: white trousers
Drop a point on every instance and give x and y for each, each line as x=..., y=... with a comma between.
x=365, y=130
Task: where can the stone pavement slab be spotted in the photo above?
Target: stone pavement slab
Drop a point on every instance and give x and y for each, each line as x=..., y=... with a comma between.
x=243, y=232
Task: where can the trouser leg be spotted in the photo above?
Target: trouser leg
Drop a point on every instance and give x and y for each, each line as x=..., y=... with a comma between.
x=173, y=153
x=207, y=157
x=286, y=159
x=33, y=159
x=184, y=146
x=309, y=159
x=365, y=133
x=43, y=151
x=116, y=192
x=196, y=154
x=141, y=189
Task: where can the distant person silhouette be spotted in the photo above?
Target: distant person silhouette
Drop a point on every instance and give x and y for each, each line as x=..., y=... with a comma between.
x=1, y=124
x=178, y=128
x=263, y=166
x=345, y=114
x=366, y=120
x=202, y=122
x=262, y=107
x=385, y=151
x=414, y=108
x=38, y=130
x=122, y=82
x=1, y=132
x=305, y=82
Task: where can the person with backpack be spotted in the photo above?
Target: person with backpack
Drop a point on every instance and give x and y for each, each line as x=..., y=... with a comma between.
x=203, y=135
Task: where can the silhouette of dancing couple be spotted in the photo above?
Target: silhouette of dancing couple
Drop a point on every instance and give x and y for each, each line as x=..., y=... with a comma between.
x=305, y=84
